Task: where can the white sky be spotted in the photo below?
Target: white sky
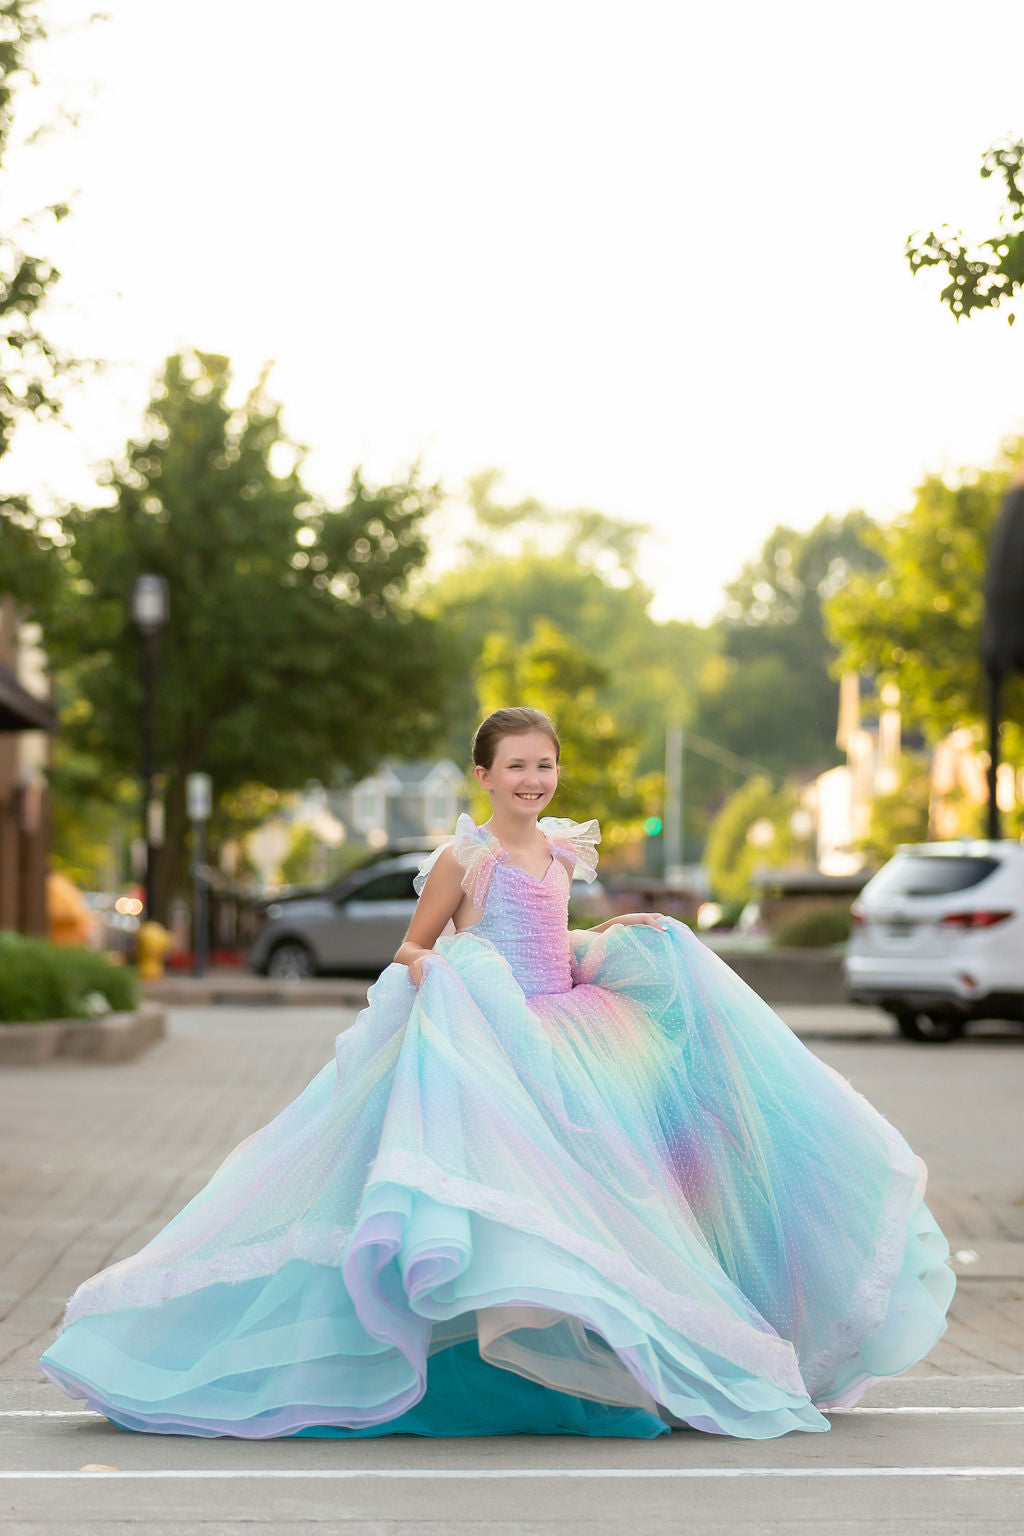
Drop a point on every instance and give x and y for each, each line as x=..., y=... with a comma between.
x=645, y=256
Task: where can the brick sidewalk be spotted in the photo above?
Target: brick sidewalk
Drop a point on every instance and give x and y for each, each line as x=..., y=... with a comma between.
x=95, y=1159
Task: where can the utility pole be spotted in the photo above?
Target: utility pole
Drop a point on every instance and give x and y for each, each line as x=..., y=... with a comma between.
x=675, y=743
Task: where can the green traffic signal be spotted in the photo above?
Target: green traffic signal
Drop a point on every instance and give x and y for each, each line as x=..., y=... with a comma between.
x=652, y=826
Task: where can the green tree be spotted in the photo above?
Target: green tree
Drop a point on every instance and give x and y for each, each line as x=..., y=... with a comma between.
x=901, y=814
x=736, y=849
x=916, y=619
x=292, y=646
x=772, y=696
x=94, y=818
x=32, y=367
x=986, y=273
x=599, y=776
x=525, y=562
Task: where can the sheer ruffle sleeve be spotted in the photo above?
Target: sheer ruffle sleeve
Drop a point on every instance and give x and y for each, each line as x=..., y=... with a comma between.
x=474, y=852
x=575, y=841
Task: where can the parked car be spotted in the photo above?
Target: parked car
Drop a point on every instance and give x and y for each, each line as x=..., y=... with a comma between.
x=356, y=925
x=938, y=937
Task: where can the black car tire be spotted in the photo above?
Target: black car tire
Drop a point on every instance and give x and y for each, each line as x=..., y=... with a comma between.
x=291, y=960
x=936, y=1028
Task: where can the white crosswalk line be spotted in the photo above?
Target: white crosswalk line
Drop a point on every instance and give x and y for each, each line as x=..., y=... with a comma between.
x=439, y=1474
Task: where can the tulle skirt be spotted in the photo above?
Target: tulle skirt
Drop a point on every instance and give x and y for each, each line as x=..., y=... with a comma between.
x=639, y=1203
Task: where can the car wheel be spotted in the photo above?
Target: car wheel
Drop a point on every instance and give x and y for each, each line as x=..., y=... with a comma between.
x=937, y=1028
x=291, y=960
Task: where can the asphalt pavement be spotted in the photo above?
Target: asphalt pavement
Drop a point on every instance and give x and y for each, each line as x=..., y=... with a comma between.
x=94, y=1159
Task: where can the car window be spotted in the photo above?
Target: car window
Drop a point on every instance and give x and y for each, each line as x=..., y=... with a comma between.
x=932, y=875
x=396, y=885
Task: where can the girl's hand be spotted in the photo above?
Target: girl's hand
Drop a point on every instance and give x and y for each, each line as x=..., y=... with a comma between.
x=636, y=919
x=414, y=957
x=416, y=970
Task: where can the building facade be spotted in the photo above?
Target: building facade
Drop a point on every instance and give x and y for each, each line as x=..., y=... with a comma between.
x=26, y=726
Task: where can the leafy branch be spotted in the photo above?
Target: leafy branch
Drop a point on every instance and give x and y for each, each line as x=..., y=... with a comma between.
x=991, y=272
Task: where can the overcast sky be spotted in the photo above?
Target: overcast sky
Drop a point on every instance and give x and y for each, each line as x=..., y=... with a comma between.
x=645, y=257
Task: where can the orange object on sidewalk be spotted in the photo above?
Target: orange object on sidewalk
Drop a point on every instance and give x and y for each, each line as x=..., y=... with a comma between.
x=70, y=919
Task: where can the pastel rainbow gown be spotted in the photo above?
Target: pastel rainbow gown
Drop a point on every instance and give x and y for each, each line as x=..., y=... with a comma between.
x=574, y=1184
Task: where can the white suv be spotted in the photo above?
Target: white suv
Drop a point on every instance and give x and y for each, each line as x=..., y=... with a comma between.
x=938, y=937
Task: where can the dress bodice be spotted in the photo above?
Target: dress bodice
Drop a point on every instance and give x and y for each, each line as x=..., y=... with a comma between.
x=523, y=916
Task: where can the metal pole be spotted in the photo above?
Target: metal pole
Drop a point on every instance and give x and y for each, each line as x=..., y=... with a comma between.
x=148, y=669
x=673, y=834
x=993, y=754
x=682, y=799
x=200, y=905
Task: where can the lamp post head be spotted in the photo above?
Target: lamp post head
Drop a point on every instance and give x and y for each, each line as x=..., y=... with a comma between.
x=151, y=604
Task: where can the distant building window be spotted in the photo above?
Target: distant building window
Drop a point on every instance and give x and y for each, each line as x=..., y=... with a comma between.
x=440, y=809
x=369, y=807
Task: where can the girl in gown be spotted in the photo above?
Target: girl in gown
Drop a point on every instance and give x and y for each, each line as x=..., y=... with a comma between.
x=552, y=1182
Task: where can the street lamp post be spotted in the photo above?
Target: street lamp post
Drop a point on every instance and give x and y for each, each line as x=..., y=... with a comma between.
x=199, y=804
x=150, y=609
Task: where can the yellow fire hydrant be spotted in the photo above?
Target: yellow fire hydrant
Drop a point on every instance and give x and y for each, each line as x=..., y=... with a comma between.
x=151, y=944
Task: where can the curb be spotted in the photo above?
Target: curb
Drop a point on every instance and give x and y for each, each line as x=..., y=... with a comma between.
x=791, y=975
x=116, y=1037
x=255, y=992
x=779, y=976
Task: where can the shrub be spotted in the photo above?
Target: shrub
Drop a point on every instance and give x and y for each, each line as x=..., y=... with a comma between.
x=815, y=929
x=40, y=980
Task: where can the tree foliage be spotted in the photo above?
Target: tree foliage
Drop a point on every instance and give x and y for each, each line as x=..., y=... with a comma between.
x=771, y=697
x=292, y=647
x=733, y=855
x=987, y=273
x=756, y=685
x=31, y=365
x=916, y=618
x=900, y=814
x=524, y=564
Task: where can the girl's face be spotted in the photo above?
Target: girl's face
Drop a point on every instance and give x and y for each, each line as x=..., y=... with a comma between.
x=524, y=774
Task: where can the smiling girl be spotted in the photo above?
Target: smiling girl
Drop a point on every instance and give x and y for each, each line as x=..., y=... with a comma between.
x=516, y=760
x=552, y=1183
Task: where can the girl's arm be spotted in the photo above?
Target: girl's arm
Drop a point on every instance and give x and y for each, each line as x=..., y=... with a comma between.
x=649, y=919
x=439, y=901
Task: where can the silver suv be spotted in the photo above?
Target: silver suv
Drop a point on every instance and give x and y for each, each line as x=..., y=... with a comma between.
x=938, y=937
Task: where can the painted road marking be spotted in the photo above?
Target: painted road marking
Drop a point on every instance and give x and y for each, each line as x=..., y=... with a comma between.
x=438, y=1474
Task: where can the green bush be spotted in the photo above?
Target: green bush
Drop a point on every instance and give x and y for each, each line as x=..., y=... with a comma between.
x=39, y=980
x=814, y=930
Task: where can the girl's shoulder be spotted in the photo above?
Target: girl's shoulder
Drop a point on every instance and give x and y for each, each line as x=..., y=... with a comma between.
x=472, y=848
x=575, y=842
x=478, y=852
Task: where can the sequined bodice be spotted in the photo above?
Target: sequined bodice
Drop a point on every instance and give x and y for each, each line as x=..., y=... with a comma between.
x=527, y=921
x=524, y=916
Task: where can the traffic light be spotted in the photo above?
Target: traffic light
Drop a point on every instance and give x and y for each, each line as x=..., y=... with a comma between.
x=652, y=826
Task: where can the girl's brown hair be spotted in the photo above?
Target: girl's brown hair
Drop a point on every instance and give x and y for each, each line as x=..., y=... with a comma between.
x=510, y=722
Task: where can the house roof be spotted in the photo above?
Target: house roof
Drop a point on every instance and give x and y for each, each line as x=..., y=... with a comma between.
x=411, y=775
